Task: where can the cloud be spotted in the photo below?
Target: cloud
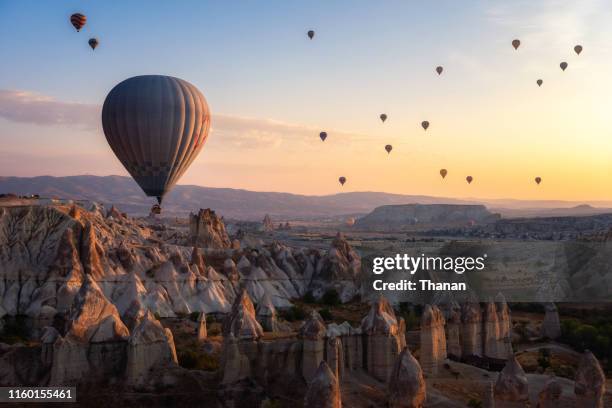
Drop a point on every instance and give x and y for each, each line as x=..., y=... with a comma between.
x=34, y=108
x=235, y=131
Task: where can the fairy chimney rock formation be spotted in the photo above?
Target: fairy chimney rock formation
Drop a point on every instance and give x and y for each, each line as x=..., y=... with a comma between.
x=267, y=224
x=382, y=339
x=590, y=383
x=241, y=321
x=324, y=389
x=433, y=340
x=206, y=230
x=493, y=343
x=471, y=329
x=266, y=314
x=505, y=326
x=550, y=394
x=150, y=345
x=406, y=384
x=453, y=331
x=551, y=326
x=511, y=388
x=202, y=332
x=313, y=351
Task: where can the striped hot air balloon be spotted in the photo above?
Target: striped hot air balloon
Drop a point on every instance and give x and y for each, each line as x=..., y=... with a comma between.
x=78, y=20
x=156, y=126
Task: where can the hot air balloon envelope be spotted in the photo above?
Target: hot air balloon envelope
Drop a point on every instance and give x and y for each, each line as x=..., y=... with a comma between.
x=578, y=49
x=156, y=126
x=443, y=172
x=383, y=116
x=439, y=70
x=311, y=34
x=93, y=43
x=425, y=124
x=539, y=82
x=78, y=20
x=469, y=179
x=342, y=180
x=388, y=148
x=323, y=135
x=516, y=44
x=563, y=65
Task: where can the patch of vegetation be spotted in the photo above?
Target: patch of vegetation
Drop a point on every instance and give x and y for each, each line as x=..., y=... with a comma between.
x=331, y=298
x=194, y=359
x=194, y=316
x=309, y=298
x=474, y=403
x=595, y=335
x=271, y=403
x=15, y=330
x=326, y=314
x=544, y=358
x=294, y=313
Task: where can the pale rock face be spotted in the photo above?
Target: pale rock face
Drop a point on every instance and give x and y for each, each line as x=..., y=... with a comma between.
x=150, y=345
x=471, y=330
x=206, y=230
x=48, y=337
x=551, y=326
x=493, y=342
x=505, y=326
x=94, y=318
x=313, y=350
x=241, y=321
x=433, y=340
x=511, y=388
x=266, y=314
x=453, y=331
x=324, y=389
x=382, y=337
x=590, y=383
x=268, y=225
x=236, y=366
x=335, y=356
x=70, y=364
x=340, y=268
x=550, y=394
x=407, y=388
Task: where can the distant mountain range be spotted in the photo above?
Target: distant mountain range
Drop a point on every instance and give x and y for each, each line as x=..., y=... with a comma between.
x=124, y=193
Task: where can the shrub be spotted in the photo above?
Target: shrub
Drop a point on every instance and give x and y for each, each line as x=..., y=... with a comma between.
x=325, y=314
x=331, y=298
x=294, y=313
x=474, y=403
x=308, y=298
x=193, y=360
x=15, y=330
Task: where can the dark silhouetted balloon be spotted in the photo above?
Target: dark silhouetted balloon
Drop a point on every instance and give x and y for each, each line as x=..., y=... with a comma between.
x=443, y=172
x=311, y=34
x=156, y=126
x=383, y=117
x=578, y=49
x=342, y=180
x=516, y=44
x=469, y=179
x=538, y=180
x=425, y=124
x=93, y=43
x=323, y=135
x=539, y=82
x=388, y=148
x=439, y=69
x=563, y=65
x=78, y=20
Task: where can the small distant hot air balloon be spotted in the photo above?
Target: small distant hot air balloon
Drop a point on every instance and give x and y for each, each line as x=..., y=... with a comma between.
x=311, y=34
x=383, y=117
x=469, y=179
x=539, y=82
x=93, y=43
x=578, y=49
x=516, y=44
x=443, y=172
x=563, y=65
x=538, y=180
x=342, y=180
x=78, y=20
x=323, y=135
x=425, y=124
x=439, y=69
x=350, y=221
x=388, y=148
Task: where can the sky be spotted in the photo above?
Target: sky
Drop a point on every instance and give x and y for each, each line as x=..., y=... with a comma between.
x=271, y=91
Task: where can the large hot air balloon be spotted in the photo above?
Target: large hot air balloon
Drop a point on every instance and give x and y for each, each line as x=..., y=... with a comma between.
x=425, y=124
x=443, y=172
x=78, y=20
x=516, y=44
x=578, y=49
x=93, y=43
x=539, y=82
x=563, y=65
x=439, y=70
x=383, y=117
x=538, y=180
x=156, y=126
x=323, y=135
x=469, y=179
x=388, y=148
x=311, y=34
x=342, y=180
